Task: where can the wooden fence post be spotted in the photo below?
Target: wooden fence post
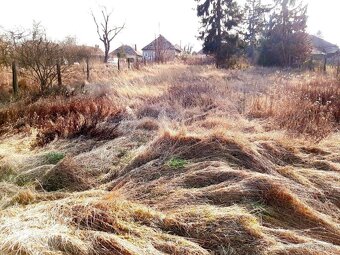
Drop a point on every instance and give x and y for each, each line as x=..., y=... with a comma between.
x=87, y=68
x=60, y=82
x=15, y=79
x=325, y=64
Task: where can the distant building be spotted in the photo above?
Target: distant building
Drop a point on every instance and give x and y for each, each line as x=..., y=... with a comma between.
x=82, y=52
x=95, y=52
x=323, y=52
x=126, y=52
x=321, y=47
x=160, y=50
x=179, y=50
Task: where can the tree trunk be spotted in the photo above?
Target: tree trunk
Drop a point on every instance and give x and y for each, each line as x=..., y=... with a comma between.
x=43, y=86
x=60, y=82
x=252, y=34
x=118, y=64
x=15, y=79
x=219, y=34
x=325, y=64
x=129, y=63
x=107, y=51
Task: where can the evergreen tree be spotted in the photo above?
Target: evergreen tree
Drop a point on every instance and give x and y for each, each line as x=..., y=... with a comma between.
x=220, y=19
x=254, y=17
x=285, y=41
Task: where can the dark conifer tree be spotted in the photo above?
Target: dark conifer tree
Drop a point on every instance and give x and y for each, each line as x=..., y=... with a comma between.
x=255, y=22
x=220, y=20
x=285, y=41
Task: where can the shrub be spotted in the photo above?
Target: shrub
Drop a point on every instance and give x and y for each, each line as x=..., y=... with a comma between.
x=62, y=117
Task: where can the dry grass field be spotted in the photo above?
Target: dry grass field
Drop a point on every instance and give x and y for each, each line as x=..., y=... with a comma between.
x=174, y=159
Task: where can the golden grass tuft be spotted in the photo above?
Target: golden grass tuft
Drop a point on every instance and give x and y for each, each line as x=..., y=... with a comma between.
x=24, y=197
x=68, y=244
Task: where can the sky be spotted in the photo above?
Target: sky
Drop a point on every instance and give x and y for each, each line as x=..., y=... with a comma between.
x=143, y=19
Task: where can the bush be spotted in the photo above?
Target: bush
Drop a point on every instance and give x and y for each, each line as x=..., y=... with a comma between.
x=62, y=117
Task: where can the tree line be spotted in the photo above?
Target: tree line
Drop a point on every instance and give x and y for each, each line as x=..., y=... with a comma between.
x=271, y=34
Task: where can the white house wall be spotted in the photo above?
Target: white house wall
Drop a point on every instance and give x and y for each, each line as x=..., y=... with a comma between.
x=151, y=54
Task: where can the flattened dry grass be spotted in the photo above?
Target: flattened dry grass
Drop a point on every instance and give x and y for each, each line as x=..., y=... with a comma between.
x=192, y=173
x=222, y=172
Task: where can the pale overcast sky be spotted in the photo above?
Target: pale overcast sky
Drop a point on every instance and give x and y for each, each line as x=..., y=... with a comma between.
x=175, y=19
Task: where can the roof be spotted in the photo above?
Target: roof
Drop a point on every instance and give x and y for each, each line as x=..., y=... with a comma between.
x=317, y=52
x=127, y=50
x=162, y=42
x=94, y=51
x=178, y=48
x=321, y=46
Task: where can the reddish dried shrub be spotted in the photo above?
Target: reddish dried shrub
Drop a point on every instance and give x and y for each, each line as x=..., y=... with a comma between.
x=64, y=118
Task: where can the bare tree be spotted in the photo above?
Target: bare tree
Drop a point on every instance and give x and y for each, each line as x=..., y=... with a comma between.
x=106, y=31
x=42, y=57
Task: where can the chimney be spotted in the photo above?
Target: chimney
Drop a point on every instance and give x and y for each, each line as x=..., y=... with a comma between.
x=135, y=47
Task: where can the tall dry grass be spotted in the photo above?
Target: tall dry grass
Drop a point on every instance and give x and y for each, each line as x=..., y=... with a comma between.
x=311, y=109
